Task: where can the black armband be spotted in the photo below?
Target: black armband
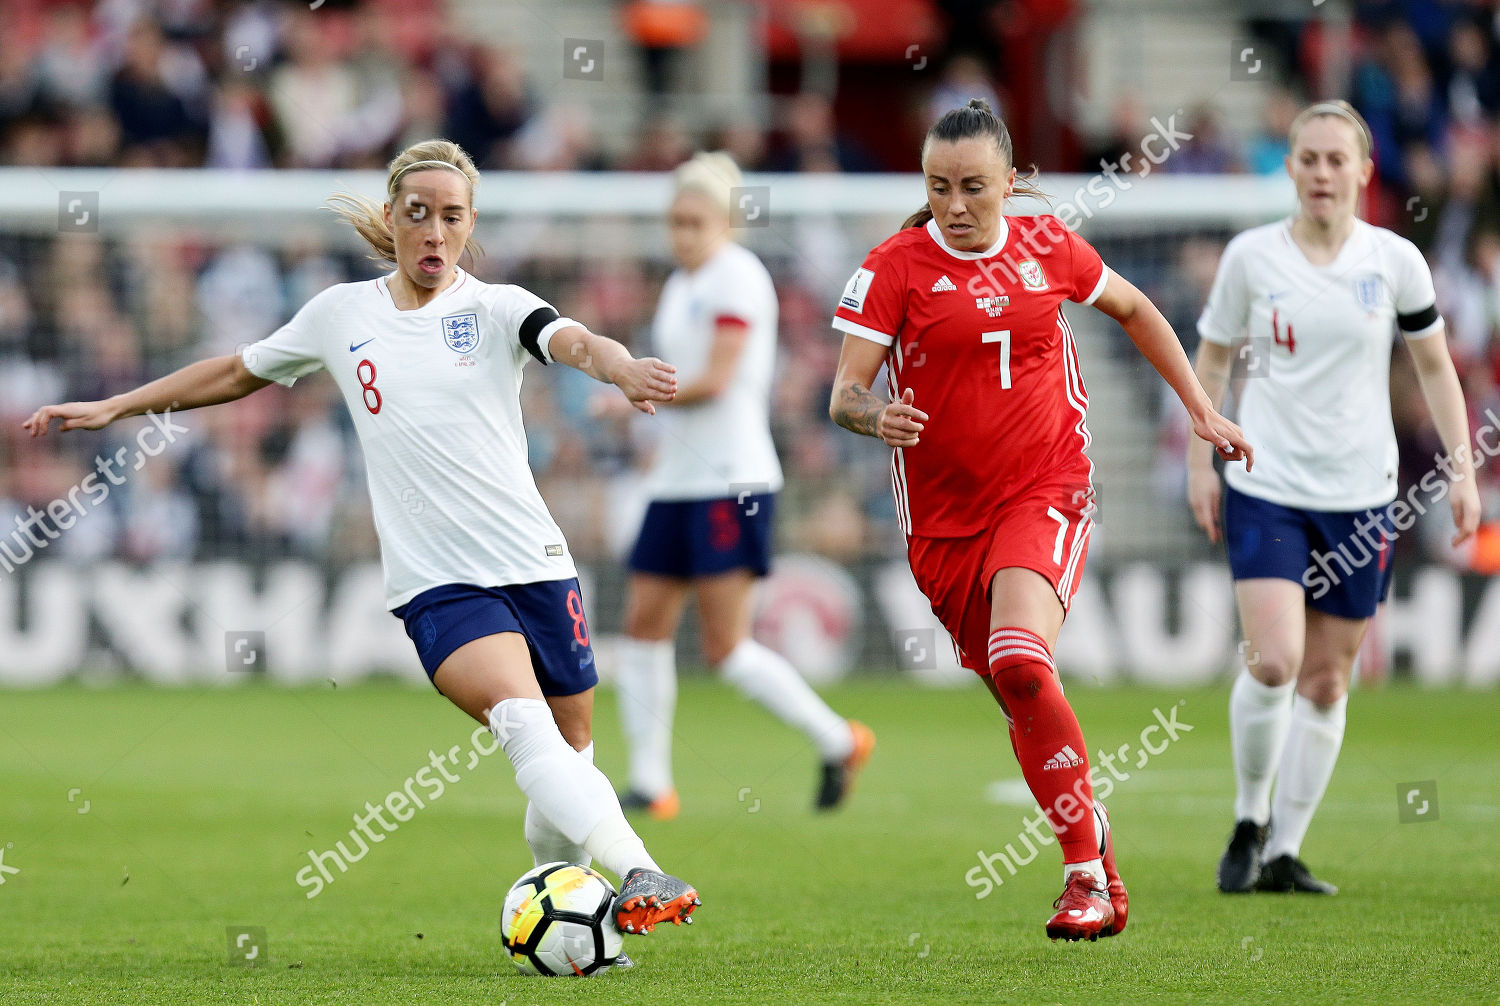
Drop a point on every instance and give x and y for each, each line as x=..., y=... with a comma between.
x=531, y=330
x=1417, y=320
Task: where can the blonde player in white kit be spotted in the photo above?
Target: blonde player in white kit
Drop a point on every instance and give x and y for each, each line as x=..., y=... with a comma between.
x=713, y=489
x=1309, y=531
x=429, y=361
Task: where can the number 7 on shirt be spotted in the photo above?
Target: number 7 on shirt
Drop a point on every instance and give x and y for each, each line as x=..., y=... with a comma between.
x=1003, y=338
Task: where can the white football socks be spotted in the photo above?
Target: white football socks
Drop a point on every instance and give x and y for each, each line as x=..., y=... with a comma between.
x=548, y=845
x=646, y=683
x=1093, y=867
x=565, y=787
x=1259, y=716
x=765, y=676
x=615, y=844
x=1307, y=761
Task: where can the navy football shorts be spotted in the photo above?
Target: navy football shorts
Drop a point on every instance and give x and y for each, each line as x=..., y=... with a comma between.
x=549, y=614
x=687, y=538
x=1341, y=558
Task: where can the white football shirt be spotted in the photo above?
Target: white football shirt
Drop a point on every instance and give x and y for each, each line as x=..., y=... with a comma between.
x=435, y=396
x=719, y=447
x=1316, y=400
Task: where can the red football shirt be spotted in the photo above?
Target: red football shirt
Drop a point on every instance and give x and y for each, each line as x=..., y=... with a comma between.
x=980, y=339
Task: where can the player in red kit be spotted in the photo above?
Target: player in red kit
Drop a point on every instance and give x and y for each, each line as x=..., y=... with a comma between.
x=990, y=471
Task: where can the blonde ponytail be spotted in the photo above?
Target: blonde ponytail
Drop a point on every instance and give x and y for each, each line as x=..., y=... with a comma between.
x=367, y=217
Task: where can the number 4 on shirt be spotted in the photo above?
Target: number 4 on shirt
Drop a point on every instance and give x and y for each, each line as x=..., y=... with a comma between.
x=1290, y=342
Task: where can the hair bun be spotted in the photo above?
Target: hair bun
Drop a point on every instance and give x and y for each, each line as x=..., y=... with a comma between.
x=980, y=105
x=712, y=173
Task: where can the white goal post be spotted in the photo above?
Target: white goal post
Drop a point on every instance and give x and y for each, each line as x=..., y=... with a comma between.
x=264, y=202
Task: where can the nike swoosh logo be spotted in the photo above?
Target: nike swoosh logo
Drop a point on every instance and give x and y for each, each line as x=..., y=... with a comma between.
x=353, y=348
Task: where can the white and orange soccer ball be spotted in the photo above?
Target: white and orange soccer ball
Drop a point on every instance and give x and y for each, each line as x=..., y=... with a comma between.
x=558, y=921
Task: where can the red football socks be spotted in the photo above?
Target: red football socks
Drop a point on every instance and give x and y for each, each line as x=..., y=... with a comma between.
x=1047, y=738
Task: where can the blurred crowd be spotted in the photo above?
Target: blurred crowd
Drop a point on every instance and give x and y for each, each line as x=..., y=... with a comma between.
x=246, y=84
x=257, y=83
x=1427, y=78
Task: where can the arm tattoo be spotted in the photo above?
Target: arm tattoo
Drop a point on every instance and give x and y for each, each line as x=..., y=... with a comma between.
x=858, y=410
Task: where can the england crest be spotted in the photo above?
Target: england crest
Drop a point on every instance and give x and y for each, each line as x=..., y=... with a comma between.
x=1367, y=291
x=461, y=332
x=1031, y=274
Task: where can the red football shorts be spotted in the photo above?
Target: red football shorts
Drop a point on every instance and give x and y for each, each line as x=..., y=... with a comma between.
x=1042, y=529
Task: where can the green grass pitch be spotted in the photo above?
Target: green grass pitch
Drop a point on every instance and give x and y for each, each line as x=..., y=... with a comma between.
x=201, y=805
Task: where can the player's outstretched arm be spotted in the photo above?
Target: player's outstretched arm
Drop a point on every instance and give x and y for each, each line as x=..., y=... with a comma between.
x=855, y=407
x=1204, y=492
x=643, y=381
x=723, y=359
x=1154, y=337
x=207, y=382
x=1445, y=400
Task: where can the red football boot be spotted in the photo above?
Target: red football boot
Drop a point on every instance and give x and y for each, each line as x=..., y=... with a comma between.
x=1083, y=910
x=1118, y=899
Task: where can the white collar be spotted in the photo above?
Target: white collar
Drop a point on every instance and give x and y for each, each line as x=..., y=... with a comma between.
x=934, y=232
x=459, y=276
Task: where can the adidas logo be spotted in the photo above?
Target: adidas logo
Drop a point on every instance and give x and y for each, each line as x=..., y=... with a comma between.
x=943, y=284
x=1066, y=758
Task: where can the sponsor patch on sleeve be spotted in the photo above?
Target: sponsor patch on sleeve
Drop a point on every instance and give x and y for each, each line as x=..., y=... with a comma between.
x=856, y=289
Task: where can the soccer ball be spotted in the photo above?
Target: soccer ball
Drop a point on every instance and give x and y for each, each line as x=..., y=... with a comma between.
x=557, y=921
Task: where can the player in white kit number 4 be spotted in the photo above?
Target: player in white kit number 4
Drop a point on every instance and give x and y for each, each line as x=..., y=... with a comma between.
x=1309, y=531
x=429, y=361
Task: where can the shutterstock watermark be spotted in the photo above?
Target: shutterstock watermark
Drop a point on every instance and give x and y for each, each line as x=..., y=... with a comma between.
x=39, y=528
x=1099, y=193
x=583, y=58
x=1381, y=528
x=402, y=804
x=1417, y=802
x=247, y=945
x=750, y=205
x=1108, y=769
x=78, y=212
